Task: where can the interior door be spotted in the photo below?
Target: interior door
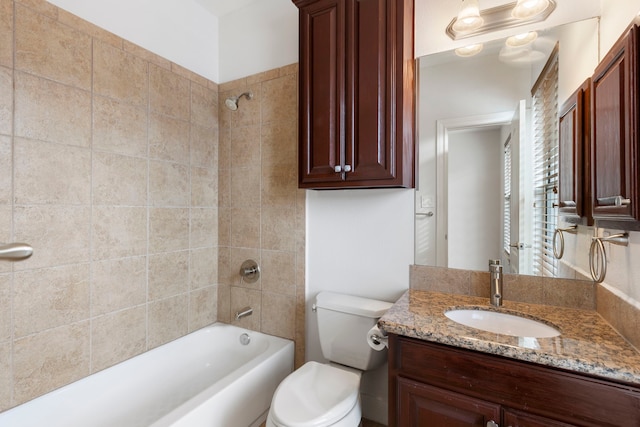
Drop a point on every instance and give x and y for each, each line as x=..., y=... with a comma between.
x=519, y=258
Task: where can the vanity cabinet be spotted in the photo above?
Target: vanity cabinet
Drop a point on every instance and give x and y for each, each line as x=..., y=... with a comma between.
x=574, y=197
x=437, y=385
x=614, y=136
x=357, y=93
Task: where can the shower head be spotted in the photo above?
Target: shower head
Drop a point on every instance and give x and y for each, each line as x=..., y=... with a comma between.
x=232, y=102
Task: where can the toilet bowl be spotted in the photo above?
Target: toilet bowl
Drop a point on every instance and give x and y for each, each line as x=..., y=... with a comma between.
x=317, y=395
x=328, y=395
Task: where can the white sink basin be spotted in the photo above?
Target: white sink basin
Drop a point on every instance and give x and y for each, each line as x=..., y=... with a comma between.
x=502, y=323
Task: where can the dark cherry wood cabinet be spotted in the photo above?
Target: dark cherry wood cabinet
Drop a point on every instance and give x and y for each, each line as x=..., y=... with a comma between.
x=574, y=196
x=441, y=386
x=614, y=136
x=357, y=93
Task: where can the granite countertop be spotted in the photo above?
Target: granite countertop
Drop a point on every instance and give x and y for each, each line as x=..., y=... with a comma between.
x=587, y=344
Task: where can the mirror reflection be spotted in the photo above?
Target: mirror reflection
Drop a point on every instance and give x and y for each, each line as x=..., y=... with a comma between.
x=488, y=148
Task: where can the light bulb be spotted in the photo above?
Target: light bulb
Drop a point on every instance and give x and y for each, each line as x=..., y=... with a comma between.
x=470, y=50
x=526, y=9
x=521, y=39
x=469, y=18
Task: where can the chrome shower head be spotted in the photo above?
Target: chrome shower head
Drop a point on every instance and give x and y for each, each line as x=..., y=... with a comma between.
x=232, y=102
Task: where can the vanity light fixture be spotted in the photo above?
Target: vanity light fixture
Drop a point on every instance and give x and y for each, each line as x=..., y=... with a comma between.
x=526, y=9
x=506, y=16
x=470, y=50
x=523, y=39
x=469, y=18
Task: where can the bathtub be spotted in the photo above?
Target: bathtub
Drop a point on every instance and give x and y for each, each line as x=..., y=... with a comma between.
x=207, y=378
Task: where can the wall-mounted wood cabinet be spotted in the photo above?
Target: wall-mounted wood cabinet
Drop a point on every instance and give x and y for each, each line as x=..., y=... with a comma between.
x=614, y=136
x=574, y=196
x=357, y=93
x=436, y=385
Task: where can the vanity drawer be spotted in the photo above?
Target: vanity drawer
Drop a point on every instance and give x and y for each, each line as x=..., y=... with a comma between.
x=556, y=394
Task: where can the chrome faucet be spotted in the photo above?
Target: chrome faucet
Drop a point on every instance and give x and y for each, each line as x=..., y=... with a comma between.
x=495, y=269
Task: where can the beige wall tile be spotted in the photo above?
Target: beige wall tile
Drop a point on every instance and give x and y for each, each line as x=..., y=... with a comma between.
x=6, y=100
x=204, y=146
x=279, y=187
x=204, y=106
x=229, y=262
x=6, y=227
x=278, y=272
x=40, y=6
x=65, y=360
x=224, y=188
x=224, y=303
x=146, y=55
x=204, y=187
x=118, y=232
x=50, y=49
x=241, y=298
x=88, y=28
x=203, y=307
x=279, y=145
x=248, y=112
x=51, y=173
x=168, y=274
x=119, y=180
x=245, y=147
x=168, y=229
x=224, y=148
x=117, y=337
x=570, y=293
x=5, y=308
x=51, y=112
x=439, y=279
x=245, y=188
x=280, y=99
x=523, y=288
x=279, y=315
x=168, y=184
x=168, y=139
x=245, y=228
x=168, y=320
x=6, y=162
x=188, y=74
x=118, y=284
x=48, y=298
x=276, y=231
x=203, y=270
x=6, y=377
x=119, y=75
x=59, y=234
x=203, y=230
x=224, y=226
x=169, y=93
x=6, y=34
x=119, y=127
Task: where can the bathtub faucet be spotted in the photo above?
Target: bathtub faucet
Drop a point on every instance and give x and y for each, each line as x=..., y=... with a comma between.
x=247, y=311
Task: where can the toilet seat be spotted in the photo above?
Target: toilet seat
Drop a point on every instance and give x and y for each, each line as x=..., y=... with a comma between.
x=315, y=395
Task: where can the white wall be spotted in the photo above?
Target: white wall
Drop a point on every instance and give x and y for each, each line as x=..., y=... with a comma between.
x=474, y=198
x=258, y=37
x=182, y=31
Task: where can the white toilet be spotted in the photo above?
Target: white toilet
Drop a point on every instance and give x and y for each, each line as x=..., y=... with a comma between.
x=321, y=395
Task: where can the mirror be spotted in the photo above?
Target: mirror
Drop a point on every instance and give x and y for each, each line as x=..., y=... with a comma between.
x=484, y=107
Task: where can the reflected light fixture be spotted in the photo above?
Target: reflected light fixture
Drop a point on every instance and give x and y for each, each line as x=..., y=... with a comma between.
x=469, y=18
x=521, y=39
x=526, y=9
x=470, y=50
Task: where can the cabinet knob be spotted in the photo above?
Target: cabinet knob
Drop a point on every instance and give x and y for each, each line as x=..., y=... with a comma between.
x=346, y=168
x=616, y=201
x=338, y=169
x=492, y=424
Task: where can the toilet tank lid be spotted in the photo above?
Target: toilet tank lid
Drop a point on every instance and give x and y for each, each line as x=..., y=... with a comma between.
x=351, y=304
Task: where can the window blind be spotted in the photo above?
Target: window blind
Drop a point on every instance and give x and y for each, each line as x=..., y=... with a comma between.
x=506, y=207
x=545, y=152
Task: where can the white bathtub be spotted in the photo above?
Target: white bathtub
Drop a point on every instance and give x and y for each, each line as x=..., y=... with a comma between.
x=207, y=378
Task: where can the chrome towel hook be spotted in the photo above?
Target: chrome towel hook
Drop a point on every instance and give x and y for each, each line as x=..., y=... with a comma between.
x=598, y=255
x=559, y=232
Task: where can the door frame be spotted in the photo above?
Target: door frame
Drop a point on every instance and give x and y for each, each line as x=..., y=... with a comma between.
x=443, y=127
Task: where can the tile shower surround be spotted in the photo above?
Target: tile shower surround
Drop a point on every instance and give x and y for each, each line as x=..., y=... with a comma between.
x=120, y=171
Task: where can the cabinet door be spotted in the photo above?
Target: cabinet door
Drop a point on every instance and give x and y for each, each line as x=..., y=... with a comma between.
x=574, y=197
x=322, y=97
x=422, y=405
x=614, y=141
x=513, y=418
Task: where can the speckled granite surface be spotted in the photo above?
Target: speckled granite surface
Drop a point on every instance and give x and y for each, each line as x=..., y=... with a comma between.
x=587, y=343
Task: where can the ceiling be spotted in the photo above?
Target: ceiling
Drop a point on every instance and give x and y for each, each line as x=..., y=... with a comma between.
x=223, y=7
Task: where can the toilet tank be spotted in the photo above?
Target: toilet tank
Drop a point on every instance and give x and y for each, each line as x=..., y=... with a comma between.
x=343, y=323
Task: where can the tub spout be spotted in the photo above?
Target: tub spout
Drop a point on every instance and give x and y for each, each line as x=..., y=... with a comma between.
x=247, y=311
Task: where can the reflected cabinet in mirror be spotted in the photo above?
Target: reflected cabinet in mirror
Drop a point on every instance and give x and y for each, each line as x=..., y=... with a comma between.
x=488, y=147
